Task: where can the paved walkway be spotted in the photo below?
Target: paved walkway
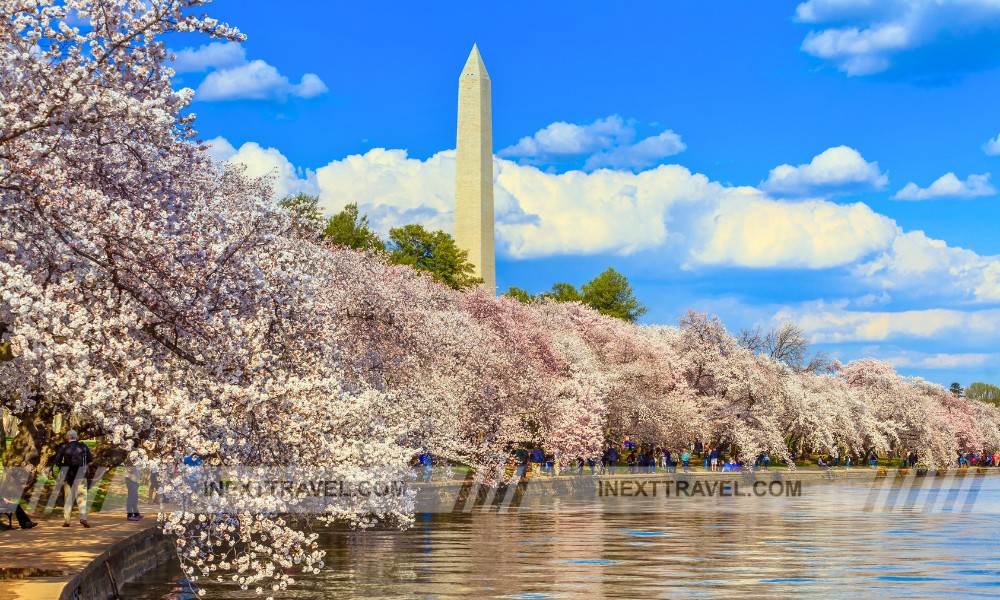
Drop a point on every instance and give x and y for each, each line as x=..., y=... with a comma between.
x=37, y=563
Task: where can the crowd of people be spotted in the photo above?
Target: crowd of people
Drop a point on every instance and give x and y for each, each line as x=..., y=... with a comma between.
x=979, y=459
x=630, y=457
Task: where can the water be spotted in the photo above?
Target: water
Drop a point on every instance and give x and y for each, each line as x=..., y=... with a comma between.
x=822, y=544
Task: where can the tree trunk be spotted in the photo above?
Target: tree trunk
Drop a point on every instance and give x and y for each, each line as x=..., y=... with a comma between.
x=35, y=442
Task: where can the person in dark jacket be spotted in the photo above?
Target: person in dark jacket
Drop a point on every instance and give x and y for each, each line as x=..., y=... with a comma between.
x=72, y=460
x=537, y=459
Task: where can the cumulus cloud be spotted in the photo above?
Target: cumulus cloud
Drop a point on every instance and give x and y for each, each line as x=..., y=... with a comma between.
x=641, y=154
x=836, y=170
x=259, y=162
x=608, y=142
x=217, y=55
x=256, y=80
x=834, y=323
x=948, y=186
x=918, y=38
x=992, y=147
x=683, y=218
x=763, y=232
x=233, y=77
x=922, y=265
x=686, y=217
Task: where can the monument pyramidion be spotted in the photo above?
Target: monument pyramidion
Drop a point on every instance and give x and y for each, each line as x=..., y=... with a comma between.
x=474, y=169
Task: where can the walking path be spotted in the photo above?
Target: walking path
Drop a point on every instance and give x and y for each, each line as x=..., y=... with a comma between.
x=37, y=563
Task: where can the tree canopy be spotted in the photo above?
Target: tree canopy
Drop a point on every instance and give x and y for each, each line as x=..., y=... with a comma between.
x=520, y=295
x=564, y=292
x=984, y=392
x=787, y=344
x=434, y=252
x=349, y=228
x=611, y=294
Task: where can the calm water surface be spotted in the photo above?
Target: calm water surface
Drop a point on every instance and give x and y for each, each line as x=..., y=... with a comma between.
x=819, y=545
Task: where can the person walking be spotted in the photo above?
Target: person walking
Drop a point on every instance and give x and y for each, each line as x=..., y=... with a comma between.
x=133, y=475
x=72, y=460
x=613, y=457
x=537, y=459
x=521, y=460
x=427, y=461
x=686, y=460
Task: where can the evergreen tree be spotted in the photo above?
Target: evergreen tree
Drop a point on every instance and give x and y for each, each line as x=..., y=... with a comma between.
x=610, y=293
x=564, y=292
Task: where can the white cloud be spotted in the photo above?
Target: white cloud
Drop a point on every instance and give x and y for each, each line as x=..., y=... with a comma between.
x=260, y=162
x=232, y=77
x=836, y=170
x=992, y=147
x=949, y=186
x=394, y=189
x=763, y=232
x=220, y=149
x=834, y=323
x=686, y=217
x=606, y=142
x=925, y=266
x=908, y=359
x=256, y=80
x=309, y=86
x=217, y=55
x=864, y=37
x=643, y=153
x=683, y=218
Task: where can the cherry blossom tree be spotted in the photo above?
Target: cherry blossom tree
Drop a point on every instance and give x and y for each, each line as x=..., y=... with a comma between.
x=169, y=305
x=158, y=297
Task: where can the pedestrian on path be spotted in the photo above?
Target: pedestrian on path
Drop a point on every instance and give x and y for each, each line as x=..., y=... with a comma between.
x=133, y=475
x=72, y=460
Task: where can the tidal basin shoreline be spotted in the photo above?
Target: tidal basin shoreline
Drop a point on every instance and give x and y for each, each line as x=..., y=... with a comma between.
x=51, y=562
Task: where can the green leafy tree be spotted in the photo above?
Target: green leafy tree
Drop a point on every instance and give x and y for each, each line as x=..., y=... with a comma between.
x=434, y=252
x=983, y=392
x=564, y=292
x=956, y=389
x=611, y=294
x=303, y=207
x=520, y=295
x=350, y=228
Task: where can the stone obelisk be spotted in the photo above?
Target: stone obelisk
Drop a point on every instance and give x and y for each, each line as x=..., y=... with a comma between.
x=474, y=169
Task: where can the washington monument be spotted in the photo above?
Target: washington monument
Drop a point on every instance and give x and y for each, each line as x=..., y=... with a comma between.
x=474, y=169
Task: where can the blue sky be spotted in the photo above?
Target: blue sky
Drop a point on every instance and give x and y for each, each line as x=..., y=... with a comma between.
x=753, y=160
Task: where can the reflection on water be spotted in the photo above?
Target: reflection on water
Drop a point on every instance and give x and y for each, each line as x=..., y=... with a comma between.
x=819, y=545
